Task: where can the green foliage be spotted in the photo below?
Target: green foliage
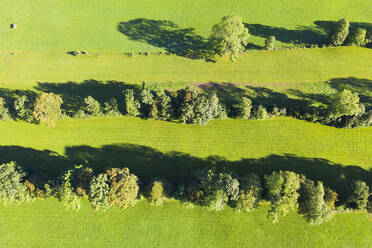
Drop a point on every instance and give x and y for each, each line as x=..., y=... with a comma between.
x=261, y=113
x=66, y=192
x=269, y=43
x=4, y=111
x=111, y=108
x=12, y=188
x=48, y=108
x=230, y=36
x=245, y=108
x=340, y=33
x=23, y=108
x=216, y=200
x=99, y=192
x=81, y=179
x=197, y=107
x=148, y=103
x=156, y=192
x=330, y=198
x=93, y=107
x=282, y=192
x=131, y=104
x=346, y=103
x=164, y=105
x=358, y=37
x=210, y=182
x=312, y=201
x=359, y=195
x=123, y=187
x=250, y=193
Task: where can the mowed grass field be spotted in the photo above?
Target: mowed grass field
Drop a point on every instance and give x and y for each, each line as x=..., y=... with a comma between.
x=48, y=224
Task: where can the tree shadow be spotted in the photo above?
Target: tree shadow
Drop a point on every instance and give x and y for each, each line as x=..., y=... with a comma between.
x=303, y=35
x=167, y=35
x=73, y=93
x=328, y=26
x=362, y=86
x=148, y=163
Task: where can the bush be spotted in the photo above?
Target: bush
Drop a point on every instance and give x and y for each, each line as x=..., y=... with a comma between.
x=229, y=37
x=244, y=108
x=282, y=192
x=359, y=195
x=346, y=103
x=358, y=38
x=66, y=192
x=123, y=187
x=92, y=107
x=164, y=105
x=4, y=111
x=330, y=198
x=340, y=33
x=157, y=191
x=99, y=192
x=131, y=104
x=23, y=107
x=250, y=193
x=111, y=108
x=261, y=113
x=12, y=188
x=312, y=201
x=48, y=108
x=216, y=200
x=81, y=177
x=269, y=43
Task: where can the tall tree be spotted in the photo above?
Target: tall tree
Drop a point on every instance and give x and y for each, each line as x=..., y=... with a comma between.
x=229, y=37
x=346, y=103
x=340, y=33
x=131, y=104
x=48, y=108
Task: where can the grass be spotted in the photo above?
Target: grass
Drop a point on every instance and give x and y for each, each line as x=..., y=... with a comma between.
x=47, y=224
x=25, y=69
x=73, y=25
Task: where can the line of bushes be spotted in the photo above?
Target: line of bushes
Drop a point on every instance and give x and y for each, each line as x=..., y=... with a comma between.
x=188, y=105
x=211, y=188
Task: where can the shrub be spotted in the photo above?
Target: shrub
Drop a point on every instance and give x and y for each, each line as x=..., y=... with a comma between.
x=216, y=200
x=123, y=187
x=250, y=193
x=358, y=38
x=282, y=192
x=80, y=114
x=269, y=43
x=340, y=33
x=81, y=177
x=330, y=198
x=23, y=109
x=312, y=201
x=244, y=108
x=111, y=108
x=229, y=37
x=346, y=103
x=131, y=104
x=92, y=106
x=359, y=195
x=4, y=111
x=99, y=192
x=261, y=113
x=157, y=190
x=66, y=192
x=12, y=188
x=48, y=108
x=164, y=105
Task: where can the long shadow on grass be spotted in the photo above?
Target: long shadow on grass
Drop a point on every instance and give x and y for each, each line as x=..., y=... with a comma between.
x=148, y=163
x=73, y=93
x=167, y=35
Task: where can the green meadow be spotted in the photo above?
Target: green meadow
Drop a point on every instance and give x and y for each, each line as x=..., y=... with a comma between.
x=34, y=56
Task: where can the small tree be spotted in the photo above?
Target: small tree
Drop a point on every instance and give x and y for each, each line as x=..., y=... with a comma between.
x=12, y=187
x=4, y=111
x=23, y=109
x=282, y=191
x=131, y=104
x=330, y=198
x=358, y=38
x=340, y=33
x=346, y=103
x=229, y=37
x=164, y=105
x=48, y=108
x=81, y=177
x=245, y=108
x=92, y=106
x=123, y=187
x=261, y=113
x=250, y=193
x=111, y=108
x=99, y=192
x=157, y=191
x=360, y=194
x=66, y=192
x=269, y=43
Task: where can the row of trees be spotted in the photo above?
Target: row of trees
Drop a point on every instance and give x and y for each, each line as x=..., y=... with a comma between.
x=188, y=105
x=213, y=188
x=342, y=36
